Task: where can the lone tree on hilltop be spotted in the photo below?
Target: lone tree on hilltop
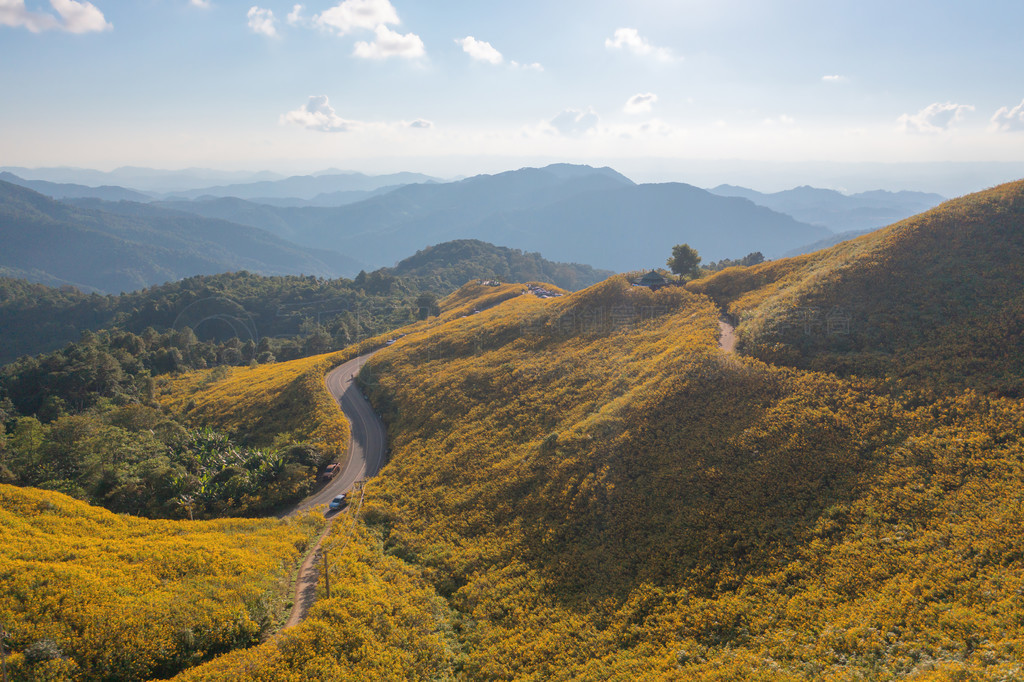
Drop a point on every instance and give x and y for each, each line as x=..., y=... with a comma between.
x=685, y=261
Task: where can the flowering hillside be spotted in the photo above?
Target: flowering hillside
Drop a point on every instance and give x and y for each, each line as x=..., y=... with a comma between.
x=87, y=594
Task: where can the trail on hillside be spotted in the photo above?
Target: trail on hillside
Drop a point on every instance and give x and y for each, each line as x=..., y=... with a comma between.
x=727, y=338
x=365, y=457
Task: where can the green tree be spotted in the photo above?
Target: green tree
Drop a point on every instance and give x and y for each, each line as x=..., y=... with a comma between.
x=685, y=261
x=426, y=304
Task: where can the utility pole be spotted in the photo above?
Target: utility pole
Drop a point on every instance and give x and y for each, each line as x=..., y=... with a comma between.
x=3, y=651
x=327, y=575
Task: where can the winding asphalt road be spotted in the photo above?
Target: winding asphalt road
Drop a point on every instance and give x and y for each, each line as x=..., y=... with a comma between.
x=366, y=453
x=366, y=448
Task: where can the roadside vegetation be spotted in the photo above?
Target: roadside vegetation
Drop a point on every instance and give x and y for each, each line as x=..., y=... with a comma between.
x=384, y=621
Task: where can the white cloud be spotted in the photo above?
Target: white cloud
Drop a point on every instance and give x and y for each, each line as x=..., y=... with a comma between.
x=318, y=114
x=834, y=78
x=640, y=103
x=1008, y=119
x=350, y=15
x=782, y=119
x=75, y=17
x=575, y=122
x=934, y=118
x=203, y=4
x=295, y=16
x=262, y=21
x=535, y=66
x=480, y=50
x=630, y=39
x=390, y=43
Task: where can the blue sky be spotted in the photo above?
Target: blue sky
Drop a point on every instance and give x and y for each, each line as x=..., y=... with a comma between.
x=460, y=87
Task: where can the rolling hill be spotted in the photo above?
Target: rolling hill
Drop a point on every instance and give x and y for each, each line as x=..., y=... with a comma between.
x=596, y=491
x=933, y=300
x=446, y=267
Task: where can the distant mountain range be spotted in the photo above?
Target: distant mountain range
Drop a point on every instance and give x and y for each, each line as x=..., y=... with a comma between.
x=308, y=186
x=65, y=190
x=836, y=211
x=569, y=213
x=125, y=246
x=142, y=179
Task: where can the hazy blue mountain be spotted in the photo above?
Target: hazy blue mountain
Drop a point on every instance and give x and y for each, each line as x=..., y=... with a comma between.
x=143, y=179
x=125, y=246
x=325, y=200
x=305, y=186
x=836, y=211
x=64, y=190
x=569, y=213
x=635, y=227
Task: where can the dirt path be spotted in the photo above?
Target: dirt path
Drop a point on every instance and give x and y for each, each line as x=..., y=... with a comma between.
x=305, y=584
x=366, y=455
x=727, y=338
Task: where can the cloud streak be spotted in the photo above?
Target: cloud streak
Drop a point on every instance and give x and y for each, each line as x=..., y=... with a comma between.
x=318, y=115
x=72, y=17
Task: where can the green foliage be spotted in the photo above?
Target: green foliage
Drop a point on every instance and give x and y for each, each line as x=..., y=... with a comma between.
x=684, y=261
x=135, y=460
x=447, y=266
x=214, y=309
x=755, y=258
x=283, y=311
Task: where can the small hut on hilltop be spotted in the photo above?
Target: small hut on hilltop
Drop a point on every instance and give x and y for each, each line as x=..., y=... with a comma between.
x=653, y=280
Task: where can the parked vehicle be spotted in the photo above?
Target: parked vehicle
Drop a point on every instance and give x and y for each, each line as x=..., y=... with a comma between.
x=338, y=502
x=330, y=472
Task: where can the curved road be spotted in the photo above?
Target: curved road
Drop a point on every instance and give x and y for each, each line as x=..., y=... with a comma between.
x=366, y=452
x=366, y=448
